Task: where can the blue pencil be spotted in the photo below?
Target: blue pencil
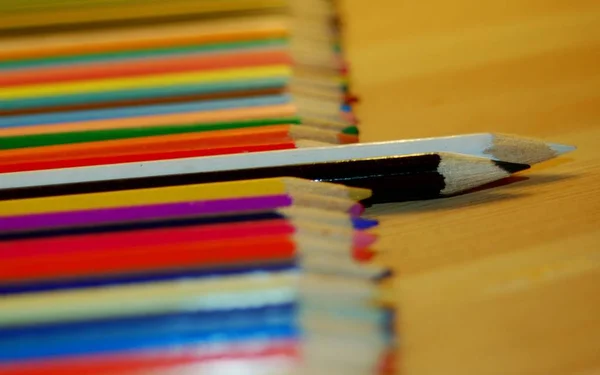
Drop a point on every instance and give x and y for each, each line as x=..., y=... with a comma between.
x=147, y=110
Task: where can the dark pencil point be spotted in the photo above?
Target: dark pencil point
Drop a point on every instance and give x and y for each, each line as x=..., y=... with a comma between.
x=511, y=167
x=386, y=275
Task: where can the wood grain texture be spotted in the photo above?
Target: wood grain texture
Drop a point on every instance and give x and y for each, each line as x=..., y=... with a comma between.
x=503, y=280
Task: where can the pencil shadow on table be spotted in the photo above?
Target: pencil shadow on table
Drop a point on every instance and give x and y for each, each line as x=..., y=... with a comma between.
x=482, y=195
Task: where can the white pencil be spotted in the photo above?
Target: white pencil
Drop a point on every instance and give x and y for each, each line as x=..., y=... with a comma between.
x=493, y=146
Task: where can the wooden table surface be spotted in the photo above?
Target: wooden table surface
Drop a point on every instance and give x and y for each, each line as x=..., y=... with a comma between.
x=504, y=280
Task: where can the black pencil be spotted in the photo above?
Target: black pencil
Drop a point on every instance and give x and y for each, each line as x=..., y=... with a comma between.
x=392, y=179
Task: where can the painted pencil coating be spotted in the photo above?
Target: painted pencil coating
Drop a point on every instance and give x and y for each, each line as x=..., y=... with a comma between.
x=165, y=124
x=192, y=328
x=149, y=110
x=136, y=362
x=203, y=211
x=174, y=92
x=151, y=36
x=159, y=257
x=205, y=234
x=69, y=147
x=149, y=298
x=142, y=54
x=178, y=194
x=161, y=81
x=157, y=65
x=152, y=153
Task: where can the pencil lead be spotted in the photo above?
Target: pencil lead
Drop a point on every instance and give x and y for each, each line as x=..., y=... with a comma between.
x=511, y=167
x=560, y=149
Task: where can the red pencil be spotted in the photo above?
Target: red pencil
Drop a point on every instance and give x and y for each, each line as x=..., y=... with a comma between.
x=121, y=241
x=158, y=257
x=170, y=146
x=183, y=140
x=151, y=155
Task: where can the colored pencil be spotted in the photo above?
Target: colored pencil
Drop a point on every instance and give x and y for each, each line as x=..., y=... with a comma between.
x=497, y=147
x=159, y=153
x=165, y=154
x=291, y=214
x=162, y=81
x=79, y=14
x=150, y=332
x=254, y=85
x=140, y=55
x=222, y=293
x=172, y=296
x=182, y=329
x=138, y=362
x=150, y=36
x=93, y=281
x=180, y=255
x=203, y=234
x=149, y=66
x=219, y=190
x=71, y=148
x=291, y=207
x=169, y=123
x=391, y=179
x=148, y=110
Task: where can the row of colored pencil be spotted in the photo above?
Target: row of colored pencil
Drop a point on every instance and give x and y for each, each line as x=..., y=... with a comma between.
x=267, y=275
x=168, y=81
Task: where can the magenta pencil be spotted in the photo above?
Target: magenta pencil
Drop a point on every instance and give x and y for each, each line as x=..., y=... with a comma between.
x=163, y=211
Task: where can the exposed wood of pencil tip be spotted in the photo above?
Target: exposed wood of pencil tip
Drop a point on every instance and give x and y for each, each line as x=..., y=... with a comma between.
x=517, y=149
x=315, y=212
x=326, y=188
x=462, y=172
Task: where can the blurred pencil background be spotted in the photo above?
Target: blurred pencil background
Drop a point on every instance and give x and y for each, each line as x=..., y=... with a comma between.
x=78, y=72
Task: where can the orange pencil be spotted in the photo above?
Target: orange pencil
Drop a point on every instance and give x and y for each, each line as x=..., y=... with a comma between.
x=150, y=66
x=176, y=146
x=152, y=36
x=197, y=140
x=156, y=155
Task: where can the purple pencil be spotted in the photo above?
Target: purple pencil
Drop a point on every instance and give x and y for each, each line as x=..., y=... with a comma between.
x=166, y=211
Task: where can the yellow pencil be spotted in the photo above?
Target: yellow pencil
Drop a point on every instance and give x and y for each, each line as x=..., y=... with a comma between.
x=20, y=14
x=154, y=81
x=174, y=194
x=152, y=297
x=173, y=296
x=150, y=36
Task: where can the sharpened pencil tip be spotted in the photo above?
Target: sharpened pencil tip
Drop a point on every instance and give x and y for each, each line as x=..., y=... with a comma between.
x=511, y=167
x=560, y=149
x=385, y=275
x=359, y=194
x=364, y=223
